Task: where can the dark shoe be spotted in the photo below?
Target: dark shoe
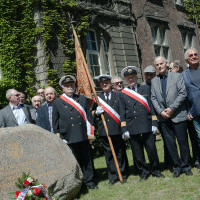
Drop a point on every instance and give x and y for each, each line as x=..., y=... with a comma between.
x=112, y=182
x=124, y=180
x=176, y=174
x=158, y=175
x=144, y=176
x=197, y=166
x=189, y=173
x=92, y=187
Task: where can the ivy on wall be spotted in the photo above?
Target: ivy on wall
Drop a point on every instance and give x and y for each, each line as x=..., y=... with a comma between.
x=17, y=46
x=58, y=21
x=18, y=33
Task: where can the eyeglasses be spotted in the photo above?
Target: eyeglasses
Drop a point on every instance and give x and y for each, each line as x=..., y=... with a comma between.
x=193, y=54
x=117, y=83
x=40, y=92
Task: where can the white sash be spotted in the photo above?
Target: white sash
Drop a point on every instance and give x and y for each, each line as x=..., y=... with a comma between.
x=80, y=109
x=138, y=97
x=110, y=111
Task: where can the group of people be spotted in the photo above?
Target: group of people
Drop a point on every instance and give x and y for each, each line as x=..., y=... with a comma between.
x=168, y=101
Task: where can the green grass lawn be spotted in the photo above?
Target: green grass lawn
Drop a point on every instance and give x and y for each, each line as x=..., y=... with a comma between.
x=184, y=187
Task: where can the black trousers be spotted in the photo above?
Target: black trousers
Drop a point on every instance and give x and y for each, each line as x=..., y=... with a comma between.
x=81, y=151
x=194, y=141
x=138, y=142
x=120, y=151
x=170, y=131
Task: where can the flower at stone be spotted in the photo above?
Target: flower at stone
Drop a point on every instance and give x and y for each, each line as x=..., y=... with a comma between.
x=30, y=179
x=29, y=194
x=17, y=193
x=36, y=191
x=44, y=186
x=26, y=183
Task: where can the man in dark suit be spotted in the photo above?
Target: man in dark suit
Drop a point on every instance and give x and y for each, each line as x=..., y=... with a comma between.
x=136, y=121
x=72, y=119
x=14, y=114
x=110, y=102
x=44, y=113
x=168, y=96
x=192, y=83
x=36, y=103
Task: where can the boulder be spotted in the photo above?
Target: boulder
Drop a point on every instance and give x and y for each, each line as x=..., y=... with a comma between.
x=29, y=148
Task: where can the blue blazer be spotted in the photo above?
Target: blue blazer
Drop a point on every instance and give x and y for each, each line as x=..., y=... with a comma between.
x=193, y=91
x=42, y=119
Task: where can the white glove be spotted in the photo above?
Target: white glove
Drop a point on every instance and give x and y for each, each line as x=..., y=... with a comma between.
x=126, y=135
x=65, y=141
x=99, y=110
x=154, y=129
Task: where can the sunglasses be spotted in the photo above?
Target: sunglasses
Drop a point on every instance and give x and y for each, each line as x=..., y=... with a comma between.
x=192, y=54
x=117, y=83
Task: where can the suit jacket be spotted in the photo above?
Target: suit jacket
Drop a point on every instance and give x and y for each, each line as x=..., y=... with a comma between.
x=134, y=116
x=33, y=114
x=193, y=91
x=42, y=119
x=68, y=121
x=7, y=118
x=176, y=96
x=113, y=126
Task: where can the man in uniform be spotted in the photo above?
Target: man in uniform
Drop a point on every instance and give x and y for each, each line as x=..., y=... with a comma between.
x=109, y=102
x=136, y=122
x=72, y=119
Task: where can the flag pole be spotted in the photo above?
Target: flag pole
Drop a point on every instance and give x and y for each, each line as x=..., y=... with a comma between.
x=97, y=100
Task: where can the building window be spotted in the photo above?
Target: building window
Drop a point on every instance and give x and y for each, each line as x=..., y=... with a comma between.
x=160, y=40
x=97, y=53
x=187, y=38
x=179, y=2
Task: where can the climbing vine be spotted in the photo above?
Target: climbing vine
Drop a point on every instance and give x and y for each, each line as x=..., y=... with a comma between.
x=18, y=34
x=58, y=22
x=17, y=47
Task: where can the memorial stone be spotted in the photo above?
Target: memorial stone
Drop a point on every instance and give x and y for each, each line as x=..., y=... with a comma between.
x=29, y=148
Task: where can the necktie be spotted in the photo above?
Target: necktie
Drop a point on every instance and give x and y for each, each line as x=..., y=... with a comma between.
x=163, y=84
x=107, y=97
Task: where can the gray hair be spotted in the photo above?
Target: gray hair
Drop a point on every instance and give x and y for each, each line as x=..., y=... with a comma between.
x=157, y=57
x=187, y=51
x=9, y=93
x=115, y=77
x=37, y=96
x=50, y=88
x=178, y=63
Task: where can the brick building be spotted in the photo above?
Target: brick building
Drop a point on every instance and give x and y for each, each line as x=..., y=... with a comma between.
x=128, y=32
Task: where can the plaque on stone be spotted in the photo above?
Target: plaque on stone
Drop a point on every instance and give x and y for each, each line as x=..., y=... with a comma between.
x=29, y=148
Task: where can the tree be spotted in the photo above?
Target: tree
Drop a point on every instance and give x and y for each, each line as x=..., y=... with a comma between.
x=193, y=9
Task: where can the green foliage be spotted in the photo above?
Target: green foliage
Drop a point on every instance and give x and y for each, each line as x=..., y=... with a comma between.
x=17, y=46
x=57, y=22
x=18, y=34
x=193, y=9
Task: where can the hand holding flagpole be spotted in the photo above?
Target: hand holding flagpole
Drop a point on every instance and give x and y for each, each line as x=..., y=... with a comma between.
x=87, y=85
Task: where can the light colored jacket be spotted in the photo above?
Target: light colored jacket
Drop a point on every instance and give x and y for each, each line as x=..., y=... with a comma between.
x=176, y=96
